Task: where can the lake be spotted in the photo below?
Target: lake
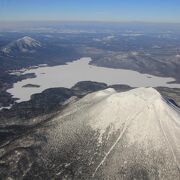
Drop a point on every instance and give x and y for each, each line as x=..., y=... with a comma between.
x=80, y=70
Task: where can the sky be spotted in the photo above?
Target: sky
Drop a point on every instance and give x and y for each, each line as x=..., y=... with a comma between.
x=167, y=11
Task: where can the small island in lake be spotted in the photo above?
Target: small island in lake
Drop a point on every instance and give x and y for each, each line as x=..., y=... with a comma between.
x=31, y=86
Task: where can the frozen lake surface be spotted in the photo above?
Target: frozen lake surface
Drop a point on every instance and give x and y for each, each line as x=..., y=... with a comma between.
x=80, y=70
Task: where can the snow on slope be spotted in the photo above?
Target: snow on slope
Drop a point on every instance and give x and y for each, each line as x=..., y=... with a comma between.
x=140, y=126
x=25, y=44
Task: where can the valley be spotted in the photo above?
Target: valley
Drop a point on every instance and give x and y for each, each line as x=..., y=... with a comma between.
x=153, y=53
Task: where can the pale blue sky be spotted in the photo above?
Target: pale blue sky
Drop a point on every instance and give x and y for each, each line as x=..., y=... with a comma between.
x=91, y=10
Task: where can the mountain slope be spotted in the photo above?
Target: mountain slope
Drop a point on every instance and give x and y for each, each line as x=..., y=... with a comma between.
x=137, y=133
x=22, y=45
x=104, y=135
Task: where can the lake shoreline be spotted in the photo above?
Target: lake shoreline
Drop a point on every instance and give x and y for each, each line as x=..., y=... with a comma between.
x=81, y=70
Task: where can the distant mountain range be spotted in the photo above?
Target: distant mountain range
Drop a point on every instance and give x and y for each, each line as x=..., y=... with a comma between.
x=22, y=45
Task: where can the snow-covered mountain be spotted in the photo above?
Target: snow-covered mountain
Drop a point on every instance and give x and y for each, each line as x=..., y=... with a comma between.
x=130, y=135
x=22, y=45
x=104, y=135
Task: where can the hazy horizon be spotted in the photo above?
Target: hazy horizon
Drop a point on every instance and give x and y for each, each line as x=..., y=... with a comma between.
x=155, y=11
